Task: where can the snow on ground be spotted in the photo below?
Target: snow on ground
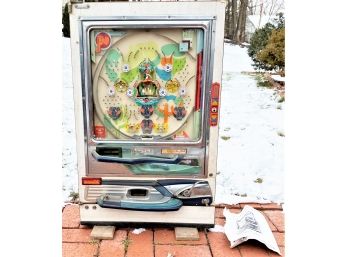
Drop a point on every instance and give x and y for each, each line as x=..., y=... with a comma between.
x=69, y=164
x=250, y=160
x=250, y=148
x=278, y=78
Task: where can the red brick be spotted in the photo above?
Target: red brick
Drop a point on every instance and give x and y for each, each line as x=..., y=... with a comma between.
x=219, y=221
x=280, y=238
x=114, y=247
x=235, y=210
x=282, y=250
x=182, y=250
x=271, y=206
x=141, y=244
x=219, y=213
x=271, y=225
x=254, y=205
x=220, y=246
x=277, y=218
x=253, y=249
x=76, y=235
x=79, y=250
x=233, y=206
x=166, y=236
x=274, y=254
x=228, y=206
x=71, y=216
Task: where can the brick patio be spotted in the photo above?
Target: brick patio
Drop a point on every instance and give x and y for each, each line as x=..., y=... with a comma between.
x=159, y=242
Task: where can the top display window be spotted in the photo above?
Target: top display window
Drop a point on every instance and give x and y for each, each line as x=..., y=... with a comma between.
x=146, y=83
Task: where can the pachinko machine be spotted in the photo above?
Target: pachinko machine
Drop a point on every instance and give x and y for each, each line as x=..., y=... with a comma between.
x=147, y=94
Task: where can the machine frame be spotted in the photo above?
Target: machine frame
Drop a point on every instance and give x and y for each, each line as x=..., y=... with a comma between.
x=208, y=16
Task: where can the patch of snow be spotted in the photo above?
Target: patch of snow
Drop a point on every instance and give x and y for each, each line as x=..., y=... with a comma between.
x=69, y=163
x=138, y=231
x=236, y=59
x=217, y=229
x=278, y=78
x=250, y=162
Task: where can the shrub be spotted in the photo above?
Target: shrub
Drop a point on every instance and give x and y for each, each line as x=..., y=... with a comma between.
x=258, y=41
x=280, y=20
x=273, y=54
x=65, y=21
x=267, y=46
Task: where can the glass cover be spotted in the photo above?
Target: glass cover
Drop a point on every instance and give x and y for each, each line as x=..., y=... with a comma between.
x=147, y=83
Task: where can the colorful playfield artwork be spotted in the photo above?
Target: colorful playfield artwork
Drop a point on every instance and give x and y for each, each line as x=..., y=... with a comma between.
x=144, y=84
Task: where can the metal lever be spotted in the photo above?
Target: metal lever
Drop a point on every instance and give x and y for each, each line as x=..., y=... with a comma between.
x=143, y=159
x=194, y=185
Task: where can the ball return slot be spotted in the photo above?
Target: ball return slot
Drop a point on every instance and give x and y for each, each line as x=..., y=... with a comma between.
x=157, y=195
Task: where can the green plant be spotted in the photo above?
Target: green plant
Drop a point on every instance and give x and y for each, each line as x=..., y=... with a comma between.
x=282, y=99
x=94, y=242
x=74, y=196
x=225, y=137
x=267, y=46
x=280, y=20
x=257, y=42
x=66, y=21
x=262, y=82
x=126, y=242
x=281, y=134
x=273, y=54
x=258, y=180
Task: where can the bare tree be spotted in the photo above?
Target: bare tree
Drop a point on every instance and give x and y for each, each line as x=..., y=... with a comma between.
x=228, y=19
x=238, y=10
x=239, y=35
x=233, y=24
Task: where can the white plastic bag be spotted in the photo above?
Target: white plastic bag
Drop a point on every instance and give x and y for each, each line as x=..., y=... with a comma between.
x=249, y=224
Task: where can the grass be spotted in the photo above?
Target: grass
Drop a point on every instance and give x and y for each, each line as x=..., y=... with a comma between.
x=241, y=195
x=281, y=134
x=225, y=137
x=258, y=180
x=282, y=99
x=74, y=196
x=126, y=242
x=94, y=242
x=262, y=82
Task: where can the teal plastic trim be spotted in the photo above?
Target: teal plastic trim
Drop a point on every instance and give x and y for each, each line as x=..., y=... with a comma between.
x=200, y=40
x=163, y=169
x=171, y=205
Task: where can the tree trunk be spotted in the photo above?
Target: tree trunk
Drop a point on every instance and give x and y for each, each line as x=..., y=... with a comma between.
x=227, y=19
x=236, y=34
x=251, y=7
x=233, y=23
x=243, y=22
x=239, y=34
